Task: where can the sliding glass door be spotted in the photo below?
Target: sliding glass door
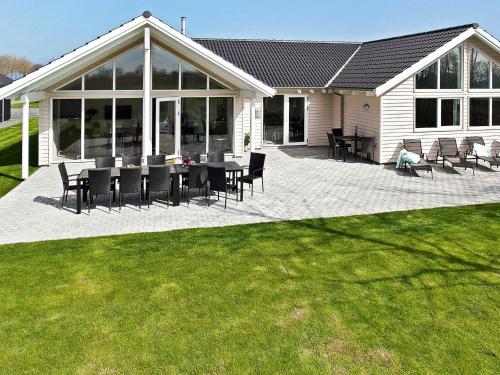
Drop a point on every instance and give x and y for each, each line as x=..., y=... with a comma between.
x=167, y=127
x=285, y=120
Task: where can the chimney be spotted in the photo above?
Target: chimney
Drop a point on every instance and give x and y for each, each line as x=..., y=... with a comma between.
x=183, y=25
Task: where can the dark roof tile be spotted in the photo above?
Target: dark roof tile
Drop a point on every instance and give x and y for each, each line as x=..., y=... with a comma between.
x=4, y=80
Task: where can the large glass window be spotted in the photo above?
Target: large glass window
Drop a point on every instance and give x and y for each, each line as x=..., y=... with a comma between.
x=450, y=112
x=495, y=107
x=100, y=78
x=98, y=128
x=165, y=69
x=192, y=78
x=75, y=85
x=221, y=124
x=425, y=113
x=451, y=70
x=479, y=110
x=479, y=70
x=128, y=126
x=66, y=123
x=128, y=69
x=193, y=125
x=427, y=78
x=496, y=76
x=274, y=119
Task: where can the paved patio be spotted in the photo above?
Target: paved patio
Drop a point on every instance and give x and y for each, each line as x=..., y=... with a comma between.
x=300, y=183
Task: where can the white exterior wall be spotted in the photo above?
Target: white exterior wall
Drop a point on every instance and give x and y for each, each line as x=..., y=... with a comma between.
x=367, y=120
x=397, y=113
x=238, y=126
x=320, y=118
x=44, y=132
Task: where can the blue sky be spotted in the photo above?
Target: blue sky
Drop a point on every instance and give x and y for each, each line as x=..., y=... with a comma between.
x=44, y=29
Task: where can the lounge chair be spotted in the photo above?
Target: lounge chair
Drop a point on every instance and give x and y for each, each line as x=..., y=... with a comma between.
x=415, y=146
x=493, y=160
x=448, y=150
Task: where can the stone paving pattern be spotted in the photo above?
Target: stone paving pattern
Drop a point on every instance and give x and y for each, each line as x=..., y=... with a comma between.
x=300, y=183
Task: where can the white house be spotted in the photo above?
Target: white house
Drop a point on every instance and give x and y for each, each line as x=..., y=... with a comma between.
x=147, y=88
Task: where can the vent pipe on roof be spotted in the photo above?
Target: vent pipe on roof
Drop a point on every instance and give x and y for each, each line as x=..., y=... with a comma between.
x=183, y=25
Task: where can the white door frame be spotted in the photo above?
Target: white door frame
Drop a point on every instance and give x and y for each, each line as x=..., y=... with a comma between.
x=286, y=119
x=177, y=130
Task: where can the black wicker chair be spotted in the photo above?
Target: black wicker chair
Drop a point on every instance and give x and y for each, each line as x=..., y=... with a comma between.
x=492, y=159
x=415, y=146
x=69, y=183
x=196, y=179
x=367, y=148
x=448, y=150
x=105, y=162
x=131, y=160
x=158, y=182
x=130, y=183
x=156, y=160
x=213, y=157
x=217, y=182
x=99, y=185
x=255, y=170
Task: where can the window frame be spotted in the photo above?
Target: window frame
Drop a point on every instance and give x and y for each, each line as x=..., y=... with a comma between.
x=438, y=71
x=490, y=72
x=490, y=113
x=439, y=126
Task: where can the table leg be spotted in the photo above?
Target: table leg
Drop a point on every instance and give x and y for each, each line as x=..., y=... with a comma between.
x=241, y=186
x=175, y=189
x=78, y=197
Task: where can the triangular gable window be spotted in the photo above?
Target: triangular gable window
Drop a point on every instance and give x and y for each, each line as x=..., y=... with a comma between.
x=165, y=69
x=192, y=78
x=100, y=78
x=216, y=85
x=75, y=85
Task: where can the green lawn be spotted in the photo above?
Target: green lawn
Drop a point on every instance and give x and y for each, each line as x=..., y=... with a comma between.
x=408, y=292
x=10, y=155
x=20, y=105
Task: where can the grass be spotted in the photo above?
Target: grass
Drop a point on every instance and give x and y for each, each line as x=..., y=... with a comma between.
x=407, y=292
x=10, y=155
x=20, y=105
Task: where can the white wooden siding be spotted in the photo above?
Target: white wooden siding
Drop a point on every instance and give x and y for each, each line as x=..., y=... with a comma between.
x=336, y=111
x=320, y=118
x=238, y=126
x=397, y=114
x=44, y=132
x=367, y=120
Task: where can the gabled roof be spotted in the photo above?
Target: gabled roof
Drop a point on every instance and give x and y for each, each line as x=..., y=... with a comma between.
x=378, y=61
x=282, y=64
x=119, y=38
x=4, y=80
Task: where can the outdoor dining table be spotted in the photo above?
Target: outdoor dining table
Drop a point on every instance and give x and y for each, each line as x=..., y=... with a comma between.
x=351, y=139
x=176, y=171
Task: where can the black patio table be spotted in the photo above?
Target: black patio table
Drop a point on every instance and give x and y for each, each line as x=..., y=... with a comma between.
x=176, y=171
x=351, y=138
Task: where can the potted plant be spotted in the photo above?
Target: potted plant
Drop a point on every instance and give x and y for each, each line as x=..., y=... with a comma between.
x=247, y=141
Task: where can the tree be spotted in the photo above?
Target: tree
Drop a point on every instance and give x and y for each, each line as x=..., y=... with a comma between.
x=15, y=67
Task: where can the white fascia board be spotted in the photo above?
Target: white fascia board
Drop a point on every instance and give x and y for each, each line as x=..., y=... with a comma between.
x=215, y=61
x=30, y=80
x=415, y=68
x=488, y=39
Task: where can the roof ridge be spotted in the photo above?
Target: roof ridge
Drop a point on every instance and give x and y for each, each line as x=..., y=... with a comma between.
x=280, y=40
x=474, y=25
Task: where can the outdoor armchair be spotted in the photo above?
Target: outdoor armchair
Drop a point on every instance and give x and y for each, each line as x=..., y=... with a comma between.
x=448, y=150
x=217, y=182
x=158, y=182
x=69, y=183
x=99, y=185
x=415, y=146
x=131, y=160
x=492, y=159
x=156, y=160
x=130, y=183
x=255, y=170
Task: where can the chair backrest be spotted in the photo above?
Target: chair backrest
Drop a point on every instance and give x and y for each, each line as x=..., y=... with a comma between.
x=215, y=157
x=217, y=178
x=130, y=180
x=413, y=145
x=338, y=132
x=448, y=146
x=368, y=145
x=131, y=160
x=156, y=159
x=472, y=140
x=105, y=162
x=331, y=140
x=64, y=174
x=99, y=181
x=256, y=167
x=159, y=177
x=197, y=176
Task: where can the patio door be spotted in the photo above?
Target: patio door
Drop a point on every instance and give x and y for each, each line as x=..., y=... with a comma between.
x=167, y=122
x=296, y=119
